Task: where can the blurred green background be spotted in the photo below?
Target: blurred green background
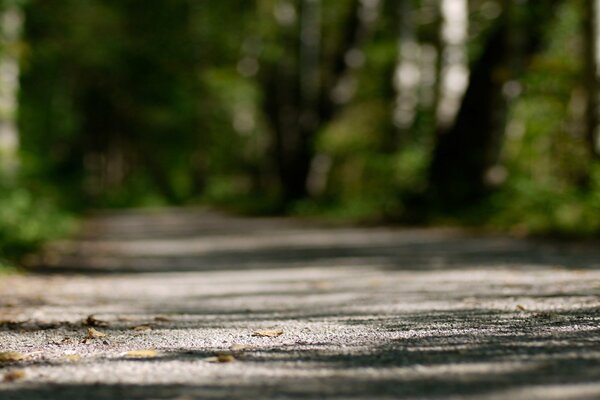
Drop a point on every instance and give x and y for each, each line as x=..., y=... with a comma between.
x=437, y=112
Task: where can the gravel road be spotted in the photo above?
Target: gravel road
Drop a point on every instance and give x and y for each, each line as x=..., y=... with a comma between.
x=184, y=304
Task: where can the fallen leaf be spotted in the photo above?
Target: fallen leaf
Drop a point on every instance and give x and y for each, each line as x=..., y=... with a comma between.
x=221, y=358
x=141, y=354
x=239, y=347
x=9, y=356
x=95, y=322
x=225, y=358
x=15, y=375
x=141, y=328
x=322, y=285
x=162, y=318
x=375, y=283
x=94, y=334
x=520, y=307
x=268, y=333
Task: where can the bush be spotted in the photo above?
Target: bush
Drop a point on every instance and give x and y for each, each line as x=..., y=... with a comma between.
x=26, y=221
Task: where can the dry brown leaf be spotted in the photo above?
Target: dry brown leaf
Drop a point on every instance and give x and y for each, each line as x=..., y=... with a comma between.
x=72, y=357
x=239, y=347
x=141, y=328
x=95, y=322
x=221, y=358
x=15, y=375
x=141, y=354
x=94, y=334
x=10, y=356
x=162, y=318
x=520, y=307
x=225, y=358
x=268, y=333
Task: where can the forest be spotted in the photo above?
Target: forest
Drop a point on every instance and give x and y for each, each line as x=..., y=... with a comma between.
x=478, y=113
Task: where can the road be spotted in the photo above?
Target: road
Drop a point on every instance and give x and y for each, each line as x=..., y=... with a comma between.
x=190, y=304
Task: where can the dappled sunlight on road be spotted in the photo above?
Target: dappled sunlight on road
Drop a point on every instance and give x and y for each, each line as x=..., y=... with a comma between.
x=358, y=312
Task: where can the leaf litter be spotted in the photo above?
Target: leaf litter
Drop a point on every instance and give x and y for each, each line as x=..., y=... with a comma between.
x=94, y=334
x=148, y=353
x=12, y=356
x=268, y=333
x=72, y=357
x=221, y=358
x=236, y=347
x=15, y=375
x=141, y=328
x=94, y=322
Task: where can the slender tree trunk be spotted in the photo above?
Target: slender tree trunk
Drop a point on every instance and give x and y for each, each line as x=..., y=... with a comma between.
x=302, y=92
x=299, y=149
x=292, y=95
x=462, y=152
x=466, y=154
x=591, y=34
x=454, y=72
x=407, y=75
x=11, y=23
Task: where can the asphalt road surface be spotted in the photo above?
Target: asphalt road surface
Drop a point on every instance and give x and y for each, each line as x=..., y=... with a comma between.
x=184, y=304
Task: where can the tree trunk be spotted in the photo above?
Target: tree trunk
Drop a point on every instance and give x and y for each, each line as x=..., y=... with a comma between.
x=591, y=34
x=292, y=92
x=465, y=150
x=464, y=165
x=454, y=72
x=301, y=92
x=407, y=76
x=11, y=23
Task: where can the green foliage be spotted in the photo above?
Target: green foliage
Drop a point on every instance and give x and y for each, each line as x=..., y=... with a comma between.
x=26, y=221
x=113, y=105
x=127, y=105
x=548, y=207
x=553, y=184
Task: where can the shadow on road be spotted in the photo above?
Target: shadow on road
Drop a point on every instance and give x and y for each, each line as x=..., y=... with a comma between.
x=200, y=241
x=367, y=312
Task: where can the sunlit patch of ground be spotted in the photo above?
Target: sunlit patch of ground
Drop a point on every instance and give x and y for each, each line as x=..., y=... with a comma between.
x=197, y=305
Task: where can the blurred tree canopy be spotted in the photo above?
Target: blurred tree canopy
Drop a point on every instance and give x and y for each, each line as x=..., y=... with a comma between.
x=479, y=111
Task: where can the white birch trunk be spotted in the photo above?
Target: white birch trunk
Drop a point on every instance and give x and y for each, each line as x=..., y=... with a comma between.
x=454, y=74
x=595, y=85
x=407, y=74
x=11, y=22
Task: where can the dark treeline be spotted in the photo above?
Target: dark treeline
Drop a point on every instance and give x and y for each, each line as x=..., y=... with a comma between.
x=403, y=110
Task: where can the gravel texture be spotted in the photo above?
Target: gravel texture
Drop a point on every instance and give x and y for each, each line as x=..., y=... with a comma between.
x=197, y=305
